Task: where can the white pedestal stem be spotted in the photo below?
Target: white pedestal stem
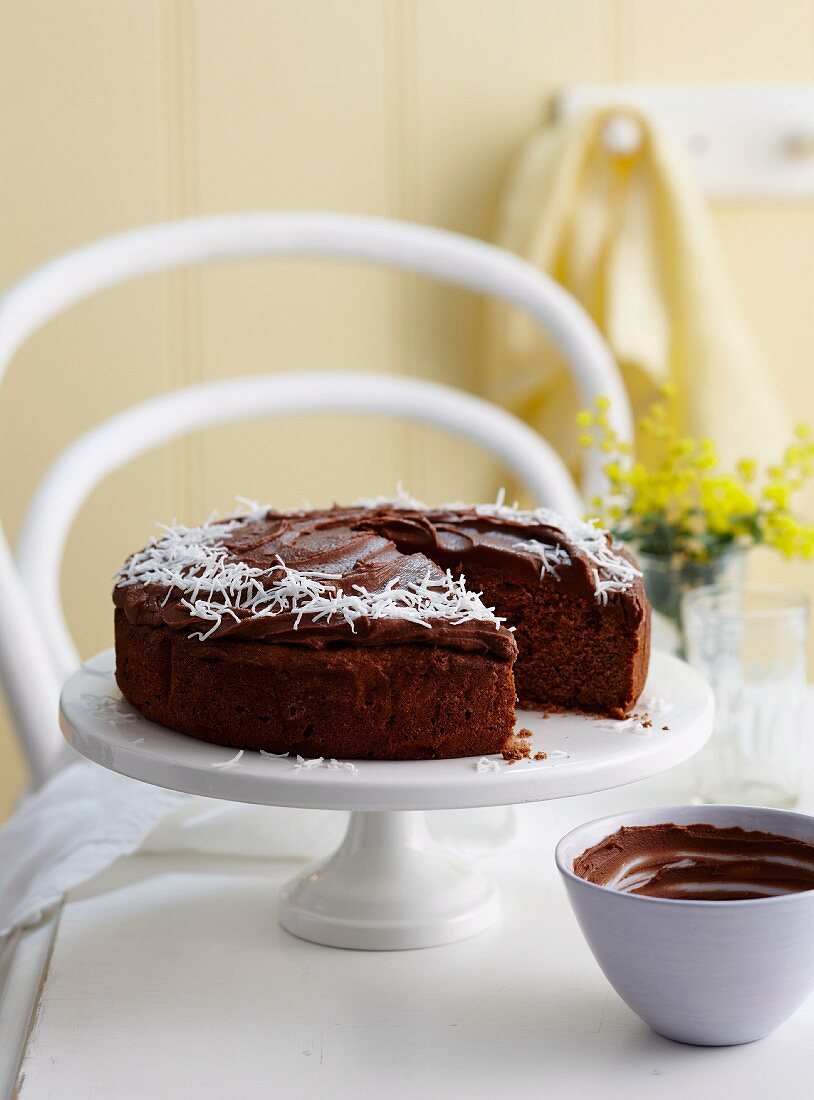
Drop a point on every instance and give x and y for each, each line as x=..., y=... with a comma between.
x=389, y=886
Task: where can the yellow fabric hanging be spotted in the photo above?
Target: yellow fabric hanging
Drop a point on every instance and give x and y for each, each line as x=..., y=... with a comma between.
x=630, y=237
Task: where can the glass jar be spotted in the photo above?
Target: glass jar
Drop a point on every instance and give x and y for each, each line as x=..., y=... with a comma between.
x=750, y=643
x=668, y=577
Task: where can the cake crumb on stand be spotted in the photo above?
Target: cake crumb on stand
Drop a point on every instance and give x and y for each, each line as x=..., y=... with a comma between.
x=515, y=750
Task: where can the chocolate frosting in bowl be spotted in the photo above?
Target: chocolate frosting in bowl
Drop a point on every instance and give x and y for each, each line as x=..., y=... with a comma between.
x=698, y=863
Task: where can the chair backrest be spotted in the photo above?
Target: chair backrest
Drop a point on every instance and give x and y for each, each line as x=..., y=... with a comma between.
x=36, y=651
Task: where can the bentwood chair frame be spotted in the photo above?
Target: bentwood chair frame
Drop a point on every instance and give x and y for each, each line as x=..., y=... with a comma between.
x=36, y=651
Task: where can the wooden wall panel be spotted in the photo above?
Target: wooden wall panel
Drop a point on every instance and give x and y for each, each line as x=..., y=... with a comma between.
x=294, y=112
x=716, y=40
x=478, y=80
x=80, y=132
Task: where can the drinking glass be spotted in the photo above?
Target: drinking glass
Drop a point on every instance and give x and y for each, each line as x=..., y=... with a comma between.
x=750, y=644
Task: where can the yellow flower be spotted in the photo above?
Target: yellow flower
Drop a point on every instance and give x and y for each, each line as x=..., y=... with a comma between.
x=726, y=504
x=778, y=494
x=681, y=504
x=789, y=536
x=682, y=447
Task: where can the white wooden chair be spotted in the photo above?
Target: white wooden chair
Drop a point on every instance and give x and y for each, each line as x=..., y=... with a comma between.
x=36, y=652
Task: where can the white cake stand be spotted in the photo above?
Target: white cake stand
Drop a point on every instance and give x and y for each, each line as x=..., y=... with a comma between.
x=389, y=886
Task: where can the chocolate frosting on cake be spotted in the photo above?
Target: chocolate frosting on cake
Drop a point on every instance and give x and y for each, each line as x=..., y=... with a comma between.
x=361, y=553
x=513, y=542
x=698, y=863
x=345, y=556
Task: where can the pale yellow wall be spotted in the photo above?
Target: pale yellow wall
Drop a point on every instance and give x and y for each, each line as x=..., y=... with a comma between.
x=114, y=114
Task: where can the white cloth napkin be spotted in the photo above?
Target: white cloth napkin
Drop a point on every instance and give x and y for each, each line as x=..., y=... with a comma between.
x=73, y=827
x=86, y=817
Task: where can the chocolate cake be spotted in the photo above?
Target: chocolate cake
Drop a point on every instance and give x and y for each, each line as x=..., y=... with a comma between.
x=386, y=630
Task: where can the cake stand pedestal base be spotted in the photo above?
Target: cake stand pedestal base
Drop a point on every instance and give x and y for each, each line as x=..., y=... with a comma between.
x=388, y=887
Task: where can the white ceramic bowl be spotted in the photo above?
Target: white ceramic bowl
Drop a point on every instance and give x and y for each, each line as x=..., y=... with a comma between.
x=706, y=972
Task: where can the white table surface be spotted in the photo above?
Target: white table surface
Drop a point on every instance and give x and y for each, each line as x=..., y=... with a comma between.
x=169, y=977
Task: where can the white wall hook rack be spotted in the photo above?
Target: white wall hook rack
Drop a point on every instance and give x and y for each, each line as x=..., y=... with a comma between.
x=744, y=141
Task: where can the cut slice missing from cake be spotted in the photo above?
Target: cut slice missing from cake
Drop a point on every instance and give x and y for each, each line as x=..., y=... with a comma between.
x=386, y=630
x=574, y=599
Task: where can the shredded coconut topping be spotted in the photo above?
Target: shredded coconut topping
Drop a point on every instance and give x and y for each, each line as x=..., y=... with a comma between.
x=550, y=556
x=231, y=762
x=334, y=765
x=194, y=562
x=487, y=765
x=634, y=724
x=610, y=571
x=116, y=711
x=402, y=499
x=306, y=765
